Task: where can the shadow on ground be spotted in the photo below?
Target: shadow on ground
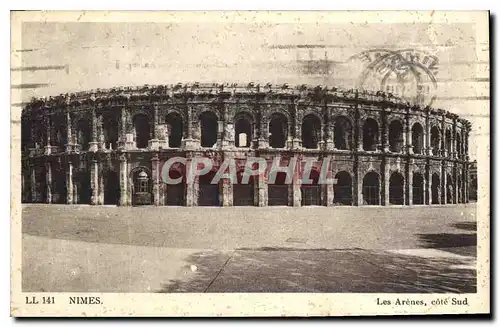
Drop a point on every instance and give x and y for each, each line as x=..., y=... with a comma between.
x=461, y=243
x=335, y=271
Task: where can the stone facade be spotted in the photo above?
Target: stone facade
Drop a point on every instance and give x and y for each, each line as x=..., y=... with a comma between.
x=109, y=146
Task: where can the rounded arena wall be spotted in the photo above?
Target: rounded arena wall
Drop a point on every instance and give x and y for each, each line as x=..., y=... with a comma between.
x=109, y=146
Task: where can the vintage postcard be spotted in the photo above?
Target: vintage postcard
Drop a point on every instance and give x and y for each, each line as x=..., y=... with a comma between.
x=249, y=164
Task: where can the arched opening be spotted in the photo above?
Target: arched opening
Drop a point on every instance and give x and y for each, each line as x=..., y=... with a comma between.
x=370, y=135
x=343, y=188
x=41, y=183
x=243, y=131
x=84, y=191
x=278, y=192
x=311, y=131
x=176, y=192
x=417, y=138
x=278, y=127
x=371, y=189
x=396, y=189
x=142, y=130
x=84, y=133
x=208, y=194
x=175, y=127
x=450, y=189
x=311, y=193
x=435, y=140
x=435, y=186
x=111, y=187
x=209, y=125
x=343, y=133
x=110, y=126
x=396, y=136
x=59, y=190
x=418, y=188
x=142, y=188
x=243, y=194
x=448, y=142
x=59, y=132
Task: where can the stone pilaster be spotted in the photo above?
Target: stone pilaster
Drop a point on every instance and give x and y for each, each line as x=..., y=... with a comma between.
x=94, y=182
x=409, y=188
x=262, y=190
x=69, y=133
x=93, y=144
x=444, y=185
x=227, y=192
x=69, y=183
x=123, y=177
x=263, y=141
x=296, y=192
x=100, y=179
x=155, y=167
x=48, y=181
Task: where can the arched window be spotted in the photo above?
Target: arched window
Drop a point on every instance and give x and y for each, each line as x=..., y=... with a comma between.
x=311, y=131
x=343, y=133
x=209, y=127
x=343, y=188
x=84, y=133
x=417, y=138
x=435, y=187
x=418, y=188
x=435, y=140
x=142, y=130
x=110, y=126
x=370, y=135
x=395, y=136
x=278, y=128
x=371, y=189
x=243, y=131
x=174, y=129
x=448, y=142
x=396, y=189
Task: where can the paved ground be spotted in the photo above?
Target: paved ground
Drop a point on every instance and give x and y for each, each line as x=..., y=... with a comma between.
x=247, y=249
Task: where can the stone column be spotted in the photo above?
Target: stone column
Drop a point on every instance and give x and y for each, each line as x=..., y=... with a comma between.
x=444, y=184
x=263, y=141
x=190, y=187
x=123, y=180
x=358, y=185
x=409, y=144
x=100, y=179
x=385, y=132
x=409, y=182
x=155, y=178
x=427, y=187
x=385, y=179
x=227, y=192
x=93, y=145
x=47, y=145
x=261, y=182
x=48, y=180
x=94, y=182
x=154, y=142
x=69, y=132
x=296, y=193
x=69, y=183
x=329, y=126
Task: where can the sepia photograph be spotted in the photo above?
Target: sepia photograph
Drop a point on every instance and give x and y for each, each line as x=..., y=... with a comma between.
x=241, y=158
